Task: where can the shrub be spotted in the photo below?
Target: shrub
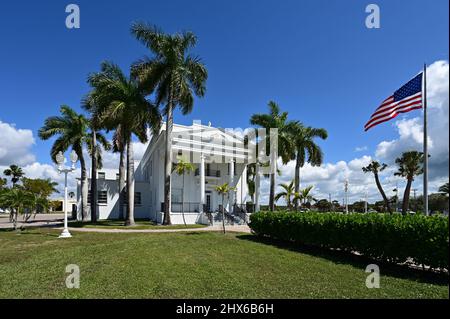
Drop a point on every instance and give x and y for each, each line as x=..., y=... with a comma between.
x=391, y=238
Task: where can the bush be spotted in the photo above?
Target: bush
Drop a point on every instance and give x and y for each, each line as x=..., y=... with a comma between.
x=392, y=238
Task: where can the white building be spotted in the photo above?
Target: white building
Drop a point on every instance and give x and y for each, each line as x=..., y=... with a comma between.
x=219, y=157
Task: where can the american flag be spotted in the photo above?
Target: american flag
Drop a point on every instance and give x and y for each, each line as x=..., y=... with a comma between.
x=405, y=99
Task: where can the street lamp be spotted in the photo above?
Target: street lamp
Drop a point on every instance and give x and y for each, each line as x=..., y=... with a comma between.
x=63, y=169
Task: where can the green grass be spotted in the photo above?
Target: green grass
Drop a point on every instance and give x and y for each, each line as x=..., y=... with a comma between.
x=140, y=224
x=192, y=265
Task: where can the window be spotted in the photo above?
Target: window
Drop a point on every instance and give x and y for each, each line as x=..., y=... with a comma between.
x=137, y=198
x=102, y=197
x=101, y=175
x=177, y=195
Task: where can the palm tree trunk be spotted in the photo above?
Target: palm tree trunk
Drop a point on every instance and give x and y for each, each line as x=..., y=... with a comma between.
x=130, y=184
x=182, y=203
x=272, y=193
x=380, y=189
x=84, y=188
x=297, y=178
x=168, y=164
x=94, y=179
x=223, y=213
x=122, y=172
x=406, y=196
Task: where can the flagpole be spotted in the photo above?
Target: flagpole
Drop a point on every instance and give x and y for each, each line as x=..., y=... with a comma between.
x=425, y=143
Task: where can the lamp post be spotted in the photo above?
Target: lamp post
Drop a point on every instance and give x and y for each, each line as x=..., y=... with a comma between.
x=63, y=169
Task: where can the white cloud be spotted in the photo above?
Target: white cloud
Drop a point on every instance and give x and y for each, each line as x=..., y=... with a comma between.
x=361, y=148
x=15, y=145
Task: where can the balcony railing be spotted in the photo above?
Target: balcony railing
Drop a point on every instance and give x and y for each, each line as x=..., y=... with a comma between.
x=208, y=172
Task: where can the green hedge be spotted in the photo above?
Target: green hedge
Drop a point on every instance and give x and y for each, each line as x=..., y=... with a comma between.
x=392, y=238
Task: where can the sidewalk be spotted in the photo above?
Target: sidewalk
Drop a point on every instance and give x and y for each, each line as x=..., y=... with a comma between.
x=217, y=228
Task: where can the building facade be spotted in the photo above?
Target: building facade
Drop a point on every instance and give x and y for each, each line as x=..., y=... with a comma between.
x=218, y=157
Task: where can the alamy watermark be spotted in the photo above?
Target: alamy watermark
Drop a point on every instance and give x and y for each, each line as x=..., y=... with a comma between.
x=73, y=19
x=373, y=19
x=73, y=279
x=373, y=280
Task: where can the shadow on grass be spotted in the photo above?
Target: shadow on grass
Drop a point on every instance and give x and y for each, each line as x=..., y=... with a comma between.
x=357, y=261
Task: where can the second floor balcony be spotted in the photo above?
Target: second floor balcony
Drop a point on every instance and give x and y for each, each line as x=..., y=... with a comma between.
x=208, y=172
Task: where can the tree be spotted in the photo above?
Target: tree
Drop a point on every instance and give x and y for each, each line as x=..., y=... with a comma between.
x=305, y=195
x=224, y=190
x=120, y=105
x=251, y=184
x=287, y=193
x=306, y=149
x=15, y=172
x=3, y=183
x=276, y=120
x=97, y=141
x=16, y=200
x=323, y=205
x=375, y=168
x=175, y=77
x=444, y=189
x=72, y=131
x=410, y=165
x=181, y=168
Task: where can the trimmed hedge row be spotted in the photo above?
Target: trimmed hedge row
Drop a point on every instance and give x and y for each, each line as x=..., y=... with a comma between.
x=392, y=238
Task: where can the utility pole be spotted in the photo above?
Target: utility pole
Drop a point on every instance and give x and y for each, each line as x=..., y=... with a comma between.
x=415, y=199
x=329, y=198
x=346, y=195
x=365, y=202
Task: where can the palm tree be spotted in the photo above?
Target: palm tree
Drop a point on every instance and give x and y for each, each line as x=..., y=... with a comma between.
x=410, y=164
x=15, y=172
x=175, y=76
x=444, y=189
x=72, y=131
x=181, y=168
x=306, y=149
x=375, y=168
x=16, y=200
x=97, y=141
x=276, y=120
x=304, y=195
x=121, y=106
x=223, y=190
x=287, y=194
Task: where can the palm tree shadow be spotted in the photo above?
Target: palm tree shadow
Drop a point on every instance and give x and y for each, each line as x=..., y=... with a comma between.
x=357, y=261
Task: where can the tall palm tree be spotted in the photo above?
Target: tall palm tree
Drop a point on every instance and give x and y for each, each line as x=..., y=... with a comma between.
x=287, y=193
x=120, y=105
x=375, y=168
x=224, y=190
x=72, y=131
x=175, y=77
x=95, y=145
x=276, y=120
x=410, y=165
x=181, y=168
x=306, y=149
x=15, y=172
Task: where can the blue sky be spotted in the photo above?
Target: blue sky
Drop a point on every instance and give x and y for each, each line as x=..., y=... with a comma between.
x=315, y=58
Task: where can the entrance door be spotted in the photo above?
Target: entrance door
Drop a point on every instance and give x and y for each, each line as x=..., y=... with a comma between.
x=208, y=202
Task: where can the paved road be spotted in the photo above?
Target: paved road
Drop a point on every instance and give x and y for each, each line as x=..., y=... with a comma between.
x=40, y=220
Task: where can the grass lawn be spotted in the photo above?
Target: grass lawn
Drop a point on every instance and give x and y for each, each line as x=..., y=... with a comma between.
x=191, y=265
x=140, y=224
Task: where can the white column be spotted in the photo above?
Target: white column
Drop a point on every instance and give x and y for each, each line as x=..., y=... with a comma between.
x=231, y=183
x=202, y=182
x=257, y=183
